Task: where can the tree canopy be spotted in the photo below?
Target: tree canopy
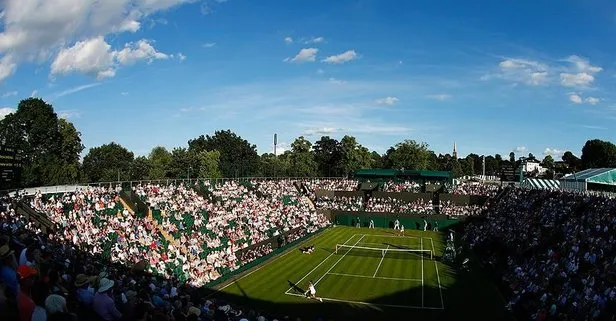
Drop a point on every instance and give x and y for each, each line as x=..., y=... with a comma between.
x=237, y=156
x=108, y=163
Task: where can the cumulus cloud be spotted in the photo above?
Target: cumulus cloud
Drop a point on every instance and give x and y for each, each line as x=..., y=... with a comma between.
x=5, y=111
x=288, y=40
x=575, y=98
x=582, y=74
x=36, y=30
x=304, y=55
x=390, y=101
x=553, y=152
x=341, y=58
x=592, y=100
x=95, y=57
x=529, y=72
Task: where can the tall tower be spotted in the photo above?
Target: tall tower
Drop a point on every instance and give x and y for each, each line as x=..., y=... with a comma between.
x=455, y=151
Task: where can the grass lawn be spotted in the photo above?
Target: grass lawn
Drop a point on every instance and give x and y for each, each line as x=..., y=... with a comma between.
x=358, y=282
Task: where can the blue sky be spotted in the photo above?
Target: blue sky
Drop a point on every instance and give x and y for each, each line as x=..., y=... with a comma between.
x=493, y=76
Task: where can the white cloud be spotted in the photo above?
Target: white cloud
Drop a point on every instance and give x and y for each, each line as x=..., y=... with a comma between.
x=76, y=89
x=440, y=97
x=280, y=148
x=581, y=79
x=582, y=74
x=9, y=94
x=320, y=131
x=336, y=81
x=5, y=111
x=530, y=72
x=553, y=152
x=288, y=40
x=341, y=58
x=304, y=55
x=140, y=50
x=181, y=56
x=67, y=114
x=592, y=100
x=34, y=93
x=575, y=98
x=92, y=57
x=520, y=149
x=209, y=45
x=36, y=30
x=124, y=93
x=315, y=40
x=390, y=101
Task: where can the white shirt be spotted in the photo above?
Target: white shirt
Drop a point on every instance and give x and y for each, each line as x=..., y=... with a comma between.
x=312, y=289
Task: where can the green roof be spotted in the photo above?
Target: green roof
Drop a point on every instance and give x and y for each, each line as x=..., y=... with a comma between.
x=594, y=175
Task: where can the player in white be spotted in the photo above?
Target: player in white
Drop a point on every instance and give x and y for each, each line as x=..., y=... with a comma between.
x=396, y=225
x=371, y=224
x=402, y=230
x=358, y=223
x=425, y=225
x=312, y=292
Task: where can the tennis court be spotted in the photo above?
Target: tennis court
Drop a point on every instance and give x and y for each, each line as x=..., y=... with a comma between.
x=378, y=270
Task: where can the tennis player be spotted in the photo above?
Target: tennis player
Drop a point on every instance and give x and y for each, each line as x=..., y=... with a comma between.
x=371, y=224
x=312, y=292
x=396, y=225
x=402, y=230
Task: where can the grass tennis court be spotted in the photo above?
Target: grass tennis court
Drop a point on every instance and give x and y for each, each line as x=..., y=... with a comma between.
x=368, y=274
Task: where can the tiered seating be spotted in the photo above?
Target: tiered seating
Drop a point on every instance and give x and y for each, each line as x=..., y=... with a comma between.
x=555, y=252
x=405, y=186
x=393, y=205
x=330, y=185
x=341, y=203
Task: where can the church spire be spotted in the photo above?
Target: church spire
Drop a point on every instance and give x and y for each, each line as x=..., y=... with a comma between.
x=455, y=151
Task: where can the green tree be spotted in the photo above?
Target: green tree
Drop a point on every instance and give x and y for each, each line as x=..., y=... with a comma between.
x=467, y=165
x=512, y=157
x=302, y=158
x=410, y=155
x=160, y=163
x=107, y=163
x=50, y=146
x=184, y=163
x=598, y=153
x=208, y=164
x=328, y=155
x=237, y=156
x=275, y=166
x=377, y=160
x=352, y=157
x=548, y=162
x=140, y=168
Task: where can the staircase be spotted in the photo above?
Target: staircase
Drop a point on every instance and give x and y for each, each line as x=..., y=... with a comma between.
x=166, y=235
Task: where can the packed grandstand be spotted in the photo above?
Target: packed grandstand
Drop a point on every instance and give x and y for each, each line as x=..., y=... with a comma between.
x=553, y=251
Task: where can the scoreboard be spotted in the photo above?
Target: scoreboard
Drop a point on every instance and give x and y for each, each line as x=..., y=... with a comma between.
x=508, y=173
x=10, y=167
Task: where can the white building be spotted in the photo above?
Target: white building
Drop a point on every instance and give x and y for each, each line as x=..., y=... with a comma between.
x=529, y=166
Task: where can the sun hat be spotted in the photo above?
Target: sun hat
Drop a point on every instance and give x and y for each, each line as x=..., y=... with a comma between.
x=194, y=310
x=104, y=285
x=26, y=271
x=82, y=280
x=5, y=251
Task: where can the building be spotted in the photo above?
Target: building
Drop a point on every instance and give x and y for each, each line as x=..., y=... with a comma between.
x=530, y=166
x=455, y=151
x=592, y=179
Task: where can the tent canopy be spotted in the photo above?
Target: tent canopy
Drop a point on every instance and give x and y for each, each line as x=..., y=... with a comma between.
x=539, y=183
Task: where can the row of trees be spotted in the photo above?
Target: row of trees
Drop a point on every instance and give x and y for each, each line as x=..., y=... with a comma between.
x=51, y=149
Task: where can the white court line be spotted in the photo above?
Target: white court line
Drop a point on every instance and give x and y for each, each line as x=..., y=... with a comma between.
x=371, y=304
x=263, y=265
x=345, y=242
x=422, y=275
x=367, y=243
x=378, y=267
x=372, y=277
x=340, y=259
x=404, y=237
x=438, y=278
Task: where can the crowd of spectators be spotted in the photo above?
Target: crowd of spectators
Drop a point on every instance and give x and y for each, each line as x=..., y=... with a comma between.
x=44, y=277
x=341, y=203
x=394, y=205
x=555, y=251
x=475, y=188
x=450, y=209
x=330, y=185
x=405, y=186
